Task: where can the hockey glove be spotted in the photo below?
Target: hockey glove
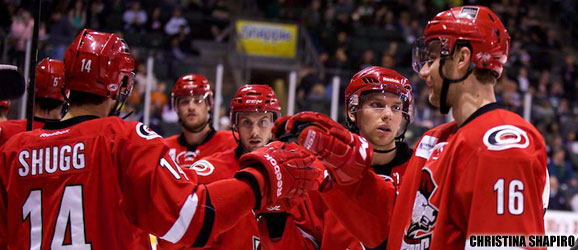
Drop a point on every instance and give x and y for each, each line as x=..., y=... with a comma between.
x=278, y=171
x=347, y=156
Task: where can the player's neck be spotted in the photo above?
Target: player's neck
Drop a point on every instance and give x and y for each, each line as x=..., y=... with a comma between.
x=3, y=118
x=196, y=138
x=384, y=158
x=472, y=96
x=100, y=110
x=48, y=114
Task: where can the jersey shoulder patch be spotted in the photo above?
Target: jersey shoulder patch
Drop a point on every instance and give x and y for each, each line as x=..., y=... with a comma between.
x=504, y=137
x=203, y=167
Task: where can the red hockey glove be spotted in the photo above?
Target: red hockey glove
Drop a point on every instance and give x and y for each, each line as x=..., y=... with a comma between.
x=277, y=171
x=346, y=156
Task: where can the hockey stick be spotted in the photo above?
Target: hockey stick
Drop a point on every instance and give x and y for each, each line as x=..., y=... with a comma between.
x=32, y=73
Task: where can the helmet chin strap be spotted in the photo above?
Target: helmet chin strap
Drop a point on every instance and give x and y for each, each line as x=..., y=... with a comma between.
x=385, y=151
x=444, y=108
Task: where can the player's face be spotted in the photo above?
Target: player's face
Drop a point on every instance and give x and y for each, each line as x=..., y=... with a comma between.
x=254, y=129
x=193, y=111
x=430, y=73
x=379, y=119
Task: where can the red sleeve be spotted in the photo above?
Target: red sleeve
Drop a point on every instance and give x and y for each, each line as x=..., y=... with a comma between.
x=512, y=190
x=370, y=203
x=163, y=200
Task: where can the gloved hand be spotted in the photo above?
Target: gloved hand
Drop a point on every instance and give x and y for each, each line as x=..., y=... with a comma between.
x=347, y=156
x=277, y=172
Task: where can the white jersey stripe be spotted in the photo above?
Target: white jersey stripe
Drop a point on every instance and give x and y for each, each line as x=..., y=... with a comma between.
x=182, y=224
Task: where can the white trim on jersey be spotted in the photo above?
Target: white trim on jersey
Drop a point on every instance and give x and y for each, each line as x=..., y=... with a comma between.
x=182, y=223
x=309, y=237
x=546, y=193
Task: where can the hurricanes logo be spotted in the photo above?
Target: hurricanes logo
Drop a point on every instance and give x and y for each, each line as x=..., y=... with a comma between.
x=202, y=167
x=506, y=137
x=145, y=132
x=418, y=234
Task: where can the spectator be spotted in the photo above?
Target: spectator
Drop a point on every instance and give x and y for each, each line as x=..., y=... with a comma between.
x=220, y=28
x=311, y=17
x=155, y=24
x=134, y=18
x=173, y=26
x=60, y=35
x=557, y=198
x=572, y=149
x=368, y=59
x=95, y=16
x=20, y=32
x=77, y=15
x=387, y=61
x=559, y=168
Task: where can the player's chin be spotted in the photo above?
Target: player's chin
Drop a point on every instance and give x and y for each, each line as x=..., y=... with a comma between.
x=434, y=100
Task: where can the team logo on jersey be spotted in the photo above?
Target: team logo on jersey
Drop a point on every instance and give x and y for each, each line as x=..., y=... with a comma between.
x=203, y=167
x=145, y=132
x=423, y=218
x=506, y=137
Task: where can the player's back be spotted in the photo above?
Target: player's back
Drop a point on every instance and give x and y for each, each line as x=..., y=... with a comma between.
x=13, y=127
x=66, y=185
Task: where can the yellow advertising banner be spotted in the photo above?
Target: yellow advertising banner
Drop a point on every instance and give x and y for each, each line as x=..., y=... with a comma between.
x=266, y=39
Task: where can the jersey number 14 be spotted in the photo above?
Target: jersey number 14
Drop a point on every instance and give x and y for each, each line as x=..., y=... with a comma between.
x=71, y=213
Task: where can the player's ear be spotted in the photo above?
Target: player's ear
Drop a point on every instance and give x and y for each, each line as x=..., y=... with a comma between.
x=351, y=115
x=463, y=59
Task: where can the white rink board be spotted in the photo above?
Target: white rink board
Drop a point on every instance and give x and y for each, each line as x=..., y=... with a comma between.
x=561, y=223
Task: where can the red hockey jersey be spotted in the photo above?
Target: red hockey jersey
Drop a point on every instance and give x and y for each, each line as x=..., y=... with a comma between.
x=105, y=184
x=487, y=177
x=12, y=127
x=215, y=142
x=244, y=234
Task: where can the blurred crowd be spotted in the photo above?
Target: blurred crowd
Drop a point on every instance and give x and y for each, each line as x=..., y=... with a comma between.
x=348, y=36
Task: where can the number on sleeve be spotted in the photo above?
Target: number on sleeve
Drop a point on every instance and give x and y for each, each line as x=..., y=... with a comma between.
x=515, y=196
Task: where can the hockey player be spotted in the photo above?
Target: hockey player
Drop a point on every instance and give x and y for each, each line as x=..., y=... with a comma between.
x=4, y=109
x=254, y=109
x=485, y=176
x=379, y=102
x=192, y=98
x=49, y=99
x=98, y=182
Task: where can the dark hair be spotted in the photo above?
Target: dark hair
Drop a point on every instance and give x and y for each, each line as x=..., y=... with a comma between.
x=48, y=104
x=482, y=75
x=4, y=111
x=78, y=98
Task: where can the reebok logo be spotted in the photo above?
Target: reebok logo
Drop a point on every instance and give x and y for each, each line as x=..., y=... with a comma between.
x=278, y=175
x=389, y=79
x=54, y=133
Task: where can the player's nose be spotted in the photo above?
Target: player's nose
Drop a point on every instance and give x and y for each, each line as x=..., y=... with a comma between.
x=424, y=71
